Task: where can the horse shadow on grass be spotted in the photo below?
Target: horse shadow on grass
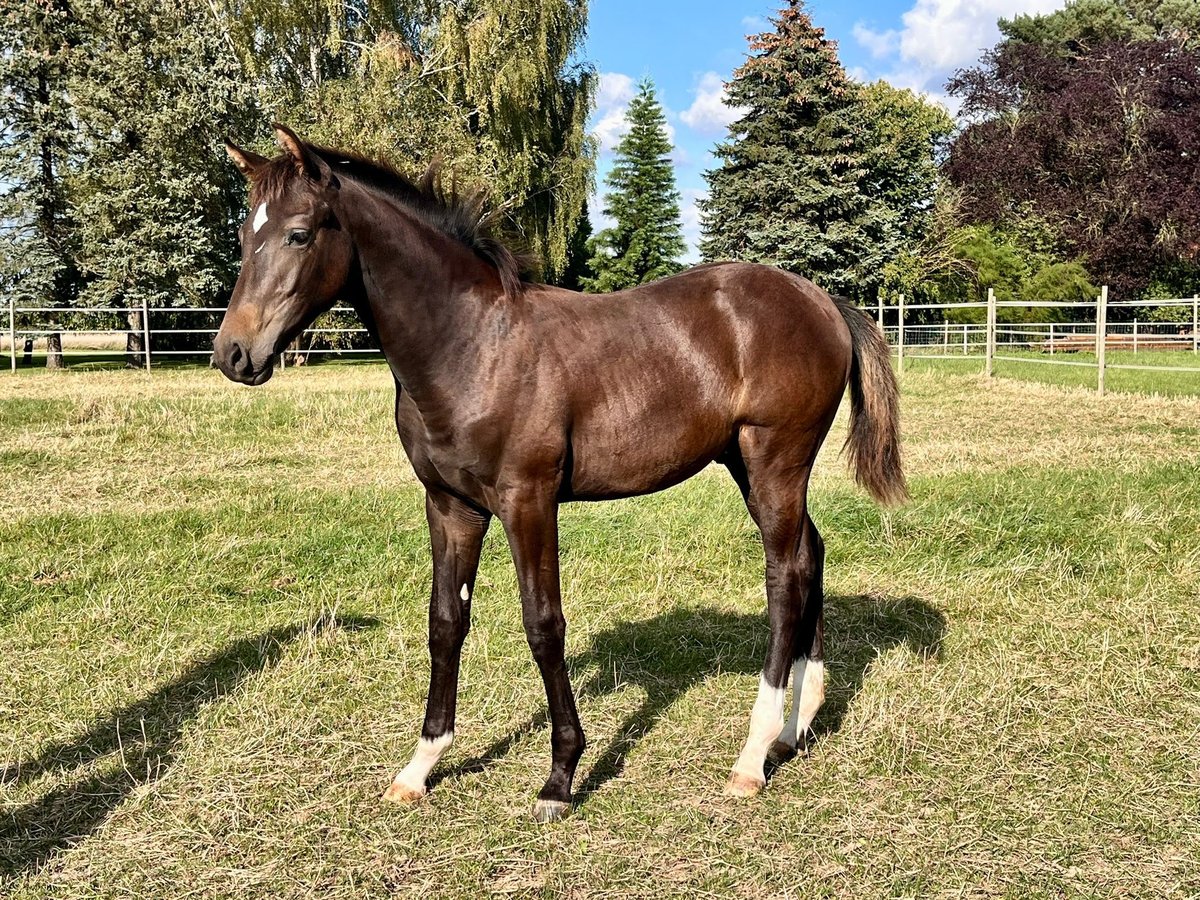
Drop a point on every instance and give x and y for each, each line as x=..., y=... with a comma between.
x=147, y=735
x=670, y=653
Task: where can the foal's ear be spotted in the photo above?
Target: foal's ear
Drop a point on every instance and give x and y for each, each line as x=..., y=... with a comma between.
x=307, y=163
x=246, y=161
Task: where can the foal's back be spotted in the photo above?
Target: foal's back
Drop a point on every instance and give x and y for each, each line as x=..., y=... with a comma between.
x=658, y=379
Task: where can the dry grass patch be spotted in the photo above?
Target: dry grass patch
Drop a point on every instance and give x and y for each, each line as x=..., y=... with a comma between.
x=212, y=668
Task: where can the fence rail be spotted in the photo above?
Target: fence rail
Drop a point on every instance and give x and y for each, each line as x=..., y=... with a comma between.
x=147, y=332
x=990, y=339
x=1051, y=340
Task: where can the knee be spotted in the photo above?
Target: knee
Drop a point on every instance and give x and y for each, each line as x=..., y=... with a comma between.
x=447, y=631
x=545, y=630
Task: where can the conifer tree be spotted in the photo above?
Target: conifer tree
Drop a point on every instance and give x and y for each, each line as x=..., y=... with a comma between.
x=155, y=196
x=647, y=239
x=790, y=190
x=37, y=43
x=578, y=252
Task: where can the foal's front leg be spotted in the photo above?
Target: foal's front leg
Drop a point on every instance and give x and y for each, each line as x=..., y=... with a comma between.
x=456, y=533
x=531, y=524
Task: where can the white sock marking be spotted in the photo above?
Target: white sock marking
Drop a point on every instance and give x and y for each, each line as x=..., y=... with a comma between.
x=765, y=722
x=260, y=217
x=425, y=757
x=808, y=693
x=464, y=593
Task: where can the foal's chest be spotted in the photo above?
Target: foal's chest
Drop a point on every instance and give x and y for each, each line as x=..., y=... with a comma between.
x=446, y=457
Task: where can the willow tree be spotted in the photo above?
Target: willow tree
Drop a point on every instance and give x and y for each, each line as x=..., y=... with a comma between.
x=487, y=86
x=507, y=65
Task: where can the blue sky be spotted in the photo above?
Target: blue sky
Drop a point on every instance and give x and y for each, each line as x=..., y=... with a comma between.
x=691, y=47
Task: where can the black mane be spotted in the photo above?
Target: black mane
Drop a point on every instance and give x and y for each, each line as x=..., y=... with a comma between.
x=463, y=217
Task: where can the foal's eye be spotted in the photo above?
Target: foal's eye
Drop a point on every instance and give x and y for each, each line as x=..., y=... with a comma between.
x=297, y=237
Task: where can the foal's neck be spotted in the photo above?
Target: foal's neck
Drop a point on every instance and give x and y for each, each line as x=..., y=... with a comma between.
x=430, y=300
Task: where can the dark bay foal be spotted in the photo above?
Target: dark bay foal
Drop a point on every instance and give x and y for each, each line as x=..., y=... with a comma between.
x=512, y=398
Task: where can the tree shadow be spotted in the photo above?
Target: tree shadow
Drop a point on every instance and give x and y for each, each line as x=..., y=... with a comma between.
x=146, y=734
x=670, y=653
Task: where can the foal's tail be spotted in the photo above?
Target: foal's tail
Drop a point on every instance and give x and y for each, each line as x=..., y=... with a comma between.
x=874, y=438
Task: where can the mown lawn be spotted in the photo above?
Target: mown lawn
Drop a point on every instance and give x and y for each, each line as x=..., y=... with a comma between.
x=212, y=605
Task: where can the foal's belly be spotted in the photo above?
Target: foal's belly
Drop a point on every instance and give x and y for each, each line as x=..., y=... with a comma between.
x=641, y=457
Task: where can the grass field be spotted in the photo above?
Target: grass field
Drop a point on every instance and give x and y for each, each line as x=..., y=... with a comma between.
x=1061, y=369
x=212, y=605
x=1079, y=369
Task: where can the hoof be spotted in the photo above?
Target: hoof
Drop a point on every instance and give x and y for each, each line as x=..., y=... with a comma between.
x=549, y=811
x=780, y=753
x=402, y=794
x=739, y=785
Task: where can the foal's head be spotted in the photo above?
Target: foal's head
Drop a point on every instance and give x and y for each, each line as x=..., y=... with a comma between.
x=295, y=257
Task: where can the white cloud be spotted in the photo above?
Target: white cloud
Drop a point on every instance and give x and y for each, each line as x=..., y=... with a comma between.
x=612, y=102
x=756, y=24
x=878, y=43
x=616, y=89
x=940, y=36
x=858, y=73
x=709, y=112
x=610, y=129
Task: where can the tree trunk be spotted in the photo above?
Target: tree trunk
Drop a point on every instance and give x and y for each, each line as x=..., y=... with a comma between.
x=54, y=354
x=296, y=349
x=134, y=342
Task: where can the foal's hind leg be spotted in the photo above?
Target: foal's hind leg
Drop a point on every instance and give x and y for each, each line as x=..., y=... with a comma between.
x=808, y=651
x=775, y=486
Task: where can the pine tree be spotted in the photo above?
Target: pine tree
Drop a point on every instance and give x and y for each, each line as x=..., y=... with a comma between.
x=36, y=144
x=155, y=197
x=790, y=190
x=647, y=240
x=578, y=252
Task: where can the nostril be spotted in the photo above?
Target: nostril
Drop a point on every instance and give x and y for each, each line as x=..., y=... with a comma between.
x=235, y=354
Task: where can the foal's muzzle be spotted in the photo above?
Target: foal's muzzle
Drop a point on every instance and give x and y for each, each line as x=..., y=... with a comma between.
x=235, y=361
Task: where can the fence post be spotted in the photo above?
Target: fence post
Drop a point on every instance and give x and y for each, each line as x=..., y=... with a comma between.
x=12, y=331
x=1101, y=337
x=879, y=310
x=900, y=333
x=991, y=333
x=1135, y=337
x=146, y=331
x=1051, y=338
x=966, y=325
x=945, y=336
x=1195, y=323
